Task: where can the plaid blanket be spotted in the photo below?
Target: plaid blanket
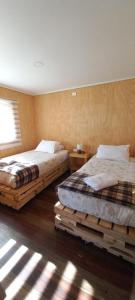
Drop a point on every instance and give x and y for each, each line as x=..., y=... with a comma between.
x=122, y=193
x=23, y=173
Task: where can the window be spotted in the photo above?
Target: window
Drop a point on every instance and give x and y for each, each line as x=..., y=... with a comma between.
x=10, y=134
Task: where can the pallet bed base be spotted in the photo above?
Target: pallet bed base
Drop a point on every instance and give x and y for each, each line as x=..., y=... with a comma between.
x=116, y=239
x=16, y=198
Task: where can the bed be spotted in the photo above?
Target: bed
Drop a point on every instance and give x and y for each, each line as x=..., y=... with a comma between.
x=106, y=224
x=50, y=166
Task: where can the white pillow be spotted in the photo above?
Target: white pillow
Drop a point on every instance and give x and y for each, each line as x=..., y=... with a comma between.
x=48, y=146
x=100, y=181
x=120, y=153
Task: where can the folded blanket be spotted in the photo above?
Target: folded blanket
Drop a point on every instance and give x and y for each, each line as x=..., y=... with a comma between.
x=23, y=173
x=100, y=181
x=121, y=193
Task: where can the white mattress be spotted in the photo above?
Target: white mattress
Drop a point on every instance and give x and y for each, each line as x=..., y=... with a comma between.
x=112, y=212
x=45, y=161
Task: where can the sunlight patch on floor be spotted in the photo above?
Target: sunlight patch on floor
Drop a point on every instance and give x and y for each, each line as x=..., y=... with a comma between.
x=88, y=289
x=65, y=282
x=5, y=270
x=7, y=247
x=64, y=285
x=20, y=280
x=42, y=282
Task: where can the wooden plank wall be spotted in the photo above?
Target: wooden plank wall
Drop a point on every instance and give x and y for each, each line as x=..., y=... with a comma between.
x=101, y=114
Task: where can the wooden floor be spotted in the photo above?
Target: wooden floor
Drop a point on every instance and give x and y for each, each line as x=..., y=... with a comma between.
x=64, y=267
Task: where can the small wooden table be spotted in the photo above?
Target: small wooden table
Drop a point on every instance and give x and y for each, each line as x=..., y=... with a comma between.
x=77, y=160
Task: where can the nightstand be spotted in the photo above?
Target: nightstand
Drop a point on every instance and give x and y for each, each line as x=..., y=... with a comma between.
x=77, y=160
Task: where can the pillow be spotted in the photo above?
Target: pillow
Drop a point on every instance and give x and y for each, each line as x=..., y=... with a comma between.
x=48, y=146
x=120, y=153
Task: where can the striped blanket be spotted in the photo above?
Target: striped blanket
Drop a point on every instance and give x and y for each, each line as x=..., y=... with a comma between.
x=23, y=173
x=122, y=193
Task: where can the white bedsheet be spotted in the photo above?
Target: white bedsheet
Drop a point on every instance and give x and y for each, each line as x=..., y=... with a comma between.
x=45, y=161
x=112, y=212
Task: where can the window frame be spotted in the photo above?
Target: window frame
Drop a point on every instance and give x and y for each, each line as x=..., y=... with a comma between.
x=18, y=140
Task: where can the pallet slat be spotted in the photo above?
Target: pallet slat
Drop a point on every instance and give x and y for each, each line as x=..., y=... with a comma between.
x=92, y=219
x=119, y=228
x=68, y=211
x=59, y=206
x=131, y=232
x=80, y=216
x=105, y=224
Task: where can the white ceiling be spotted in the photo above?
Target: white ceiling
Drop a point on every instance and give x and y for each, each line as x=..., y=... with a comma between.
x=80, y=42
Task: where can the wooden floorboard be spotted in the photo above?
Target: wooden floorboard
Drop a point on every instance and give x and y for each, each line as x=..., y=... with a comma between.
x=108, y=276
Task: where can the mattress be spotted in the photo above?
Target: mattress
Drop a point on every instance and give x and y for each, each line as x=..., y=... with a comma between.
x=112, y=212
x=46, y=162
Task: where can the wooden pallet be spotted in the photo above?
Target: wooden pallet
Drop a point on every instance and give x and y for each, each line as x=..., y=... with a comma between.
x=16, y=198
x=117, y=239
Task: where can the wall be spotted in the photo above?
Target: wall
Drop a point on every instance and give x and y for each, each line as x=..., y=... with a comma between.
x=98, y=114
x=26, y=112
